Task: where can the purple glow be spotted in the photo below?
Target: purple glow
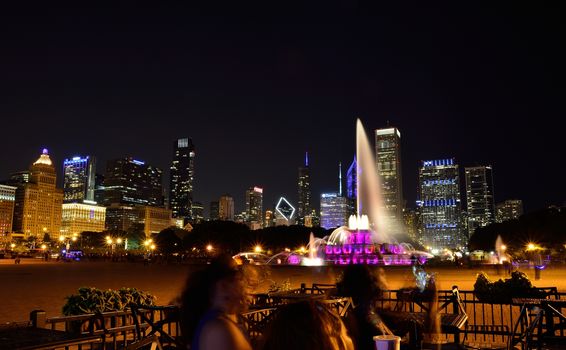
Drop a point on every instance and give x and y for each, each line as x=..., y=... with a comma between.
x=294, y=260
x=45, y=151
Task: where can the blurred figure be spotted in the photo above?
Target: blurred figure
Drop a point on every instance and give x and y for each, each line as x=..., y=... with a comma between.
x=366, y=287
x=210, y=303
x=306, y=325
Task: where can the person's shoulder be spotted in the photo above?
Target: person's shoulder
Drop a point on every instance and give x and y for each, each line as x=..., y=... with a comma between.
x=220, y=334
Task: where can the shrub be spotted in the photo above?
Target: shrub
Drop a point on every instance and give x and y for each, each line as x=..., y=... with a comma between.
x=503, y=291
x=92, y=300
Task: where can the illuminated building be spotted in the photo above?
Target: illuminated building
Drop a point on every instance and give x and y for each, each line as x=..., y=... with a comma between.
x=99, y=188
x=334, y=210
x=81, y=217
x=440, y=205
x=19, y=178
x=304, y=206
x=388, y=161
x=214, y=211
x=411, y=219
x=284, y=213
x=479, y=197
x=7, y=201
x=269, y=219
x=509, y=210
x=154, y=219
x=121, y=217
x=254, y=207
x=197, y=212
x=132, y=182
x=79, y=179
x=226, y=208
x=182, y=179
x=150, y=219
x=352, y=186
x=39, y=202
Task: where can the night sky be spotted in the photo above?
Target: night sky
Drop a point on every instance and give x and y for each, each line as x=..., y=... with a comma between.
x=257, y=86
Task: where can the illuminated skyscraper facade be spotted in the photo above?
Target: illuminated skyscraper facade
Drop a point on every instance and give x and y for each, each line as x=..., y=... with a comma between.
x=81, y=217
x=352, y=186
x=254, y=207
x=334, y=210
x=39, y=202
x=479, y=197
x=304, y=185
x=132, y=182
x=388, y=161
x=509, y=210
x=198, y=212
x=79, y=179
x=182, y=178
x=7, y=201
x=226, y=208
x=440, y=204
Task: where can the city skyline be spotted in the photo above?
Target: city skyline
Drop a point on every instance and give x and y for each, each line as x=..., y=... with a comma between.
x=255, y=95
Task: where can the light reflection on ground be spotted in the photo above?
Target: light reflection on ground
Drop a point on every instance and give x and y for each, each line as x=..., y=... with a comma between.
x=43, y=285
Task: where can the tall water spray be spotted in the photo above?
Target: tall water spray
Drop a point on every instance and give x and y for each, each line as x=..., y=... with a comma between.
x=369, y=201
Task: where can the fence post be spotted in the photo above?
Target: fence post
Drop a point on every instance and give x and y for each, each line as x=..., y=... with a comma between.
x=38, y=318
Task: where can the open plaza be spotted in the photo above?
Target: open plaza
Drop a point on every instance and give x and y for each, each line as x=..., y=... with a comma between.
x=38, y=285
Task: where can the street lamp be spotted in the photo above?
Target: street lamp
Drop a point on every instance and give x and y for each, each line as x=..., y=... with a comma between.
x=209, y=248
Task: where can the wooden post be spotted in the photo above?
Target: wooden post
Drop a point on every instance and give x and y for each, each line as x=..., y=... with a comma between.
x=38, y=318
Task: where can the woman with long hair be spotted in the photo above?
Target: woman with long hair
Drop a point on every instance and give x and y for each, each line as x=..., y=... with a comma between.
x=210, y=303
x=306, y=325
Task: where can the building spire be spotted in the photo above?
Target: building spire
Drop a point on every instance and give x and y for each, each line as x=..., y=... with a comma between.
x=306, y=158
x=340, y=178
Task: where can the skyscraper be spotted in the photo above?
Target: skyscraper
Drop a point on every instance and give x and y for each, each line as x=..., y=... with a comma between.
x=352, y=186
x=79, y=179
x=214, y=211
x=38, y=203
x=7, y=201
x=132, y=182
x=334, y=210
x=254, y=207
x=198, y=212
x=440, y=206
x=304, y=184
x=388, y=161
x=479, y=197
x=511, y=209
x=226, y=208
x=182, y=179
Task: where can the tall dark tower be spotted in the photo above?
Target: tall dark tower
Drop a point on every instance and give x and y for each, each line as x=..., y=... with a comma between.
x=182, y=178
x=304, y=183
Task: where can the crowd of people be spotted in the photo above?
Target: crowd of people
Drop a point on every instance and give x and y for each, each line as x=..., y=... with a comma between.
x=214, y=297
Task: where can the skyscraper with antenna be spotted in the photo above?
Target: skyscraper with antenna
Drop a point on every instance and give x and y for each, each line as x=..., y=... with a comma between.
x=304, y=187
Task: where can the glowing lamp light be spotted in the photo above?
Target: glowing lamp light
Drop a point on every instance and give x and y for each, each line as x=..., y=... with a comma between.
x=43, y=246
x=13, y=245
x=74, y=239
x=258, y=249
x=209, y=247
x=119, y=241
x=61, y=238
x=503, y=247
x=152, y=247
x=531, y=246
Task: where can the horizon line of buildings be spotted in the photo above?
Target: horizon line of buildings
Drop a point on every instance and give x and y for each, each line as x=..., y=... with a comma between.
x=130, y=196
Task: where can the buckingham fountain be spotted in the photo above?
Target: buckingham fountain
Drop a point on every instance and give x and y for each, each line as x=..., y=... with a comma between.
x=369, y=237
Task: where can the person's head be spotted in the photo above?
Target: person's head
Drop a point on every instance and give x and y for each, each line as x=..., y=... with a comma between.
x=219, y=285
x=306, y=325
x=361, y=283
